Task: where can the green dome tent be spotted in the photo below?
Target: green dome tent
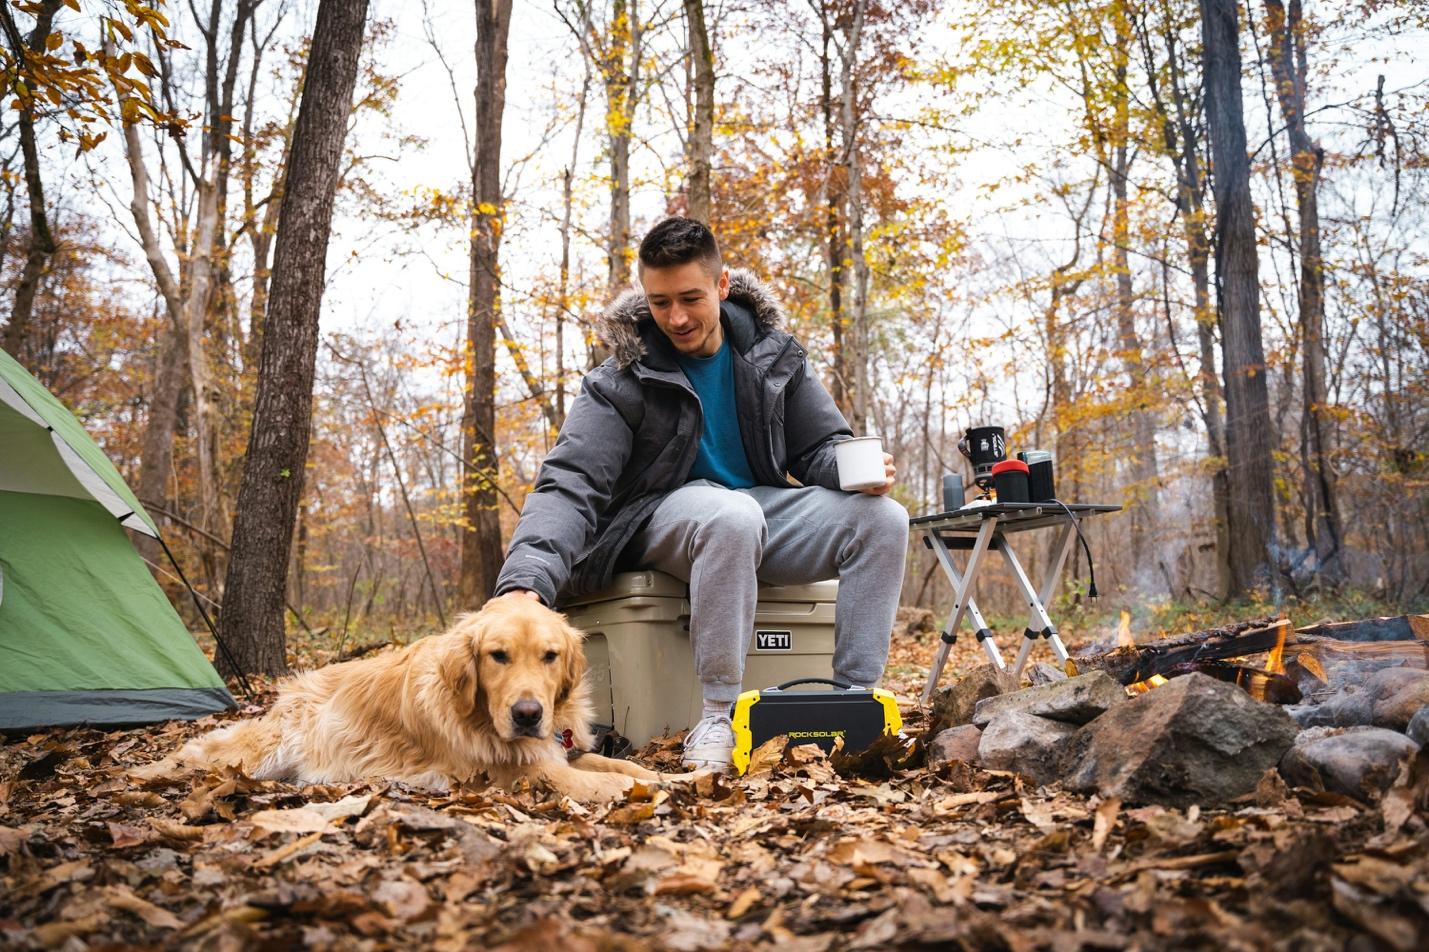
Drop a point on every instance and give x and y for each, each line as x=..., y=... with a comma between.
x=86, y=634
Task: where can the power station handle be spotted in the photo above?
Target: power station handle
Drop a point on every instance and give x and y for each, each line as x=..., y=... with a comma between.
x=838, y=684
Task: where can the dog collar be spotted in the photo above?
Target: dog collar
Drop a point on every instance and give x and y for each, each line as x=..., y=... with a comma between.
x=566, y=739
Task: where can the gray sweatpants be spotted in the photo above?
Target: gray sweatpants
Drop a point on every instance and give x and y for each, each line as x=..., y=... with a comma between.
x=725, y=541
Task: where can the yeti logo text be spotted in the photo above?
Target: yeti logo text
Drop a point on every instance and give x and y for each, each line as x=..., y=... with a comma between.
x=774, y=641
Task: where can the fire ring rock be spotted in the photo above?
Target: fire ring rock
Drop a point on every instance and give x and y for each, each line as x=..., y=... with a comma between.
x=1398, y=695
x=1360, y=762
x=1074, y=700
x=955, y=743
x=1192, y=740
x=1028, y=744
x=1418, y=729
x=954, y=705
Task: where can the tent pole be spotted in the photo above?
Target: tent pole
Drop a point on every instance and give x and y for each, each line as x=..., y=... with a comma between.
x=227, y=655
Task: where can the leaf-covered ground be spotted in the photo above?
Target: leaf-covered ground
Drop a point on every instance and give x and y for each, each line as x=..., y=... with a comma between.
x=795, y=857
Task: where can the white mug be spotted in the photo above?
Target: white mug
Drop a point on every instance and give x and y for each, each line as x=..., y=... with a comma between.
x=860, y=463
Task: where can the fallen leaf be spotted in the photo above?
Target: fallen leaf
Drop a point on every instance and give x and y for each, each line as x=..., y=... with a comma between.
x=1105, y=822
x=742, y=903
x=139, y=798
x=768, y=754
x=200, y=803
x=341, y=809
x=284, y=852
x=125, y=835
x=181, y=832
x=298, y=820
x=403, y=899
x=631, y=813
x=10, y=840
x=121, y=898
x=1039, y=814
x=52, y=934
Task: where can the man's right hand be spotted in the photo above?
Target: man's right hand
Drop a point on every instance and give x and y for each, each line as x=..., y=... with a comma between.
x=519, y=592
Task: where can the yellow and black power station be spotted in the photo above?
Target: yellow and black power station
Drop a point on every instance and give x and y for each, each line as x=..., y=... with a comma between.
x=858, y=715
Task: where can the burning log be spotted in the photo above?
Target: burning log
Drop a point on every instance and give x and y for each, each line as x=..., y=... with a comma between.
x=1130, y=664
x=1262, y=685
x=1331, y=651
x=1397, y=628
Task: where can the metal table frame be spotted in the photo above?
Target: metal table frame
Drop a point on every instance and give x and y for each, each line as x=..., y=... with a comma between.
x=980, y=529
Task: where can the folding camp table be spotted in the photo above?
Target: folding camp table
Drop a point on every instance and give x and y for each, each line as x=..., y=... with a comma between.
x=978, y=528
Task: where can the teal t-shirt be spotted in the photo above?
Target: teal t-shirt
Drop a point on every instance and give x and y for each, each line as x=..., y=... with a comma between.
x=721, y=455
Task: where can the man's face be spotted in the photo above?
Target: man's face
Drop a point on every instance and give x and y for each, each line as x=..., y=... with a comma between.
x=684, y=300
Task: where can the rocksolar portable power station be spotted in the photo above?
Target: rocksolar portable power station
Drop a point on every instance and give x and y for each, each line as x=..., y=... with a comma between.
x=858, y=715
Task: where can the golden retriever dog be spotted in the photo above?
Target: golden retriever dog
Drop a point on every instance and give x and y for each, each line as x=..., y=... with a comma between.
x=501, y=693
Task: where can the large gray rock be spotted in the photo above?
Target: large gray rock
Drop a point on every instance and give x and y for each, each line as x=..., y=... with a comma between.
x=1025, y=743
x=1348, y=708
x=1045, y=672
x=1399, y=693
x=955, y=743
x=954, y=705
x=1073, y=701
x=1360, y=762
x=1418, y=729
x=1192, y=740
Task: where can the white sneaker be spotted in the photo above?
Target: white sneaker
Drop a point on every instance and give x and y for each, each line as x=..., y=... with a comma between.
x=710, y=744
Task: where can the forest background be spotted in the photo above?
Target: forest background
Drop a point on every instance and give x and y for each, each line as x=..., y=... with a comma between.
x=1010, y=213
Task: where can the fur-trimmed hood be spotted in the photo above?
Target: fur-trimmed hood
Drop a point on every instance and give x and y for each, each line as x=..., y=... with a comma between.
x=620, y=326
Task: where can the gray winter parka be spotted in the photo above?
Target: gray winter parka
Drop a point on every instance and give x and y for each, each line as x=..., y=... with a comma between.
x=632, y=434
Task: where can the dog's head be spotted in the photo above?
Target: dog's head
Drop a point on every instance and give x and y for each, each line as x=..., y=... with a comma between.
x=514, y=663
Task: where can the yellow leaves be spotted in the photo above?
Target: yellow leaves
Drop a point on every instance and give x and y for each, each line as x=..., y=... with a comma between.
x=55, y=41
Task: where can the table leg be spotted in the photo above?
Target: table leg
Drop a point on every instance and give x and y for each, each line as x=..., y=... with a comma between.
x=1038, y=623
x=963, y=603
x=1063, y=549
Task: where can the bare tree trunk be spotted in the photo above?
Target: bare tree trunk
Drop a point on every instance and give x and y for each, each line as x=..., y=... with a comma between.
x=260, y=229
x=41, y=241
x=157, y=462
x=1183, y=145
x=273, y=475
x=563, y=294
x=835, y=246
x=1289, y=66
x=622, y=90
x=859, y=318
x=481, y=550
x=1141, y=453
x=701, y=141
x=1249, y=435
x=195, y=311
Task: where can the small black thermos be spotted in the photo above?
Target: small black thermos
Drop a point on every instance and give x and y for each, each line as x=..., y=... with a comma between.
x=1039, y=475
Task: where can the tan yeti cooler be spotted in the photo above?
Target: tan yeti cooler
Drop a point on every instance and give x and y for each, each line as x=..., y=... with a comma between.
x=642, y=671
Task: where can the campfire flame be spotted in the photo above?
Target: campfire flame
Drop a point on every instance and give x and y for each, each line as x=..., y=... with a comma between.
x=1275, y=664
x=1123, y=631
x=1141, y=687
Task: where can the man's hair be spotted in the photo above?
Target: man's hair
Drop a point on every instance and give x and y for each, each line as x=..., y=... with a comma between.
x=676, y=241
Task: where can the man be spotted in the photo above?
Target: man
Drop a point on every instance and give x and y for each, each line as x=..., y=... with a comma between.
x=677, y=456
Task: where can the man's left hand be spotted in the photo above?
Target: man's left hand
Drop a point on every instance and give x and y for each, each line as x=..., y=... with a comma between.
x=890, y=471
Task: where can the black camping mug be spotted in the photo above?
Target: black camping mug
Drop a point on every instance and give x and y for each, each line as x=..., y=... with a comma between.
x=984, y=446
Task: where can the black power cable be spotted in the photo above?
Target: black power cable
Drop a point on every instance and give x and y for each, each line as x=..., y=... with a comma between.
x=1091, y=566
